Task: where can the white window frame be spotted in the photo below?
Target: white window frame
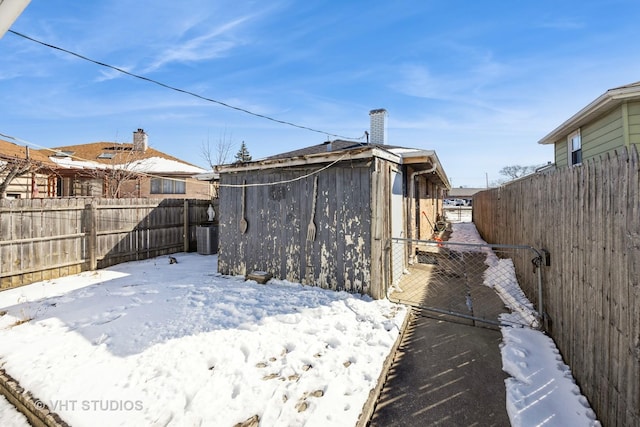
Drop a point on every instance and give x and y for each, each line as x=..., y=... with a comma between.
x=570, y=149
x=168, y=186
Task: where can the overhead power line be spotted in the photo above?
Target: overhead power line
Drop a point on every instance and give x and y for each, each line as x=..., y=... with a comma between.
x=224, y=104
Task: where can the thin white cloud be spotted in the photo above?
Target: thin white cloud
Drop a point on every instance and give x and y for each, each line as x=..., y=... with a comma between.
x=207, y=46
x=107, y=74
x=417, y=80
x=463, y=86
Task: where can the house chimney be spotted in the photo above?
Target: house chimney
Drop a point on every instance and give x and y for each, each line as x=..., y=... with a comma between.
x=140, y=140
x=329, y=145
x=378, y=126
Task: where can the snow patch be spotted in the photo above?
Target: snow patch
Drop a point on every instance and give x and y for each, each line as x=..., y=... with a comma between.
x=153, y=343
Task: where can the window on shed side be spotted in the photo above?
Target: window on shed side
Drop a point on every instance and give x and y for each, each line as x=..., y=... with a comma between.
x=574, y=142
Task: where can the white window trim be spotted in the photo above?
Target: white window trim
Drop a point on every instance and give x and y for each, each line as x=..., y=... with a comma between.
x=570, y=146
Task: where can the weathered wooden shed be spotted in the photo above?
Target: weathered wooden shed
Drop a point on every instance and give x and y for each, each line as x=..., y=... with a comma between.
x=356, y=196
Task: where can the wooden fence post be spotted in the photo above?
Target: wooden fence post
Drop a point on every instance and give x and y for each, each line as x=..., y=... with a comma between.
x=92, y=235
x=186, y=225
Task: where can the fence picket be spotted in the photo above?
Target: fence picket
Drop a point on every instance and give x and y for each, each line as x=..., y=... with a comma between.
x=42, y=239
x=589, y=218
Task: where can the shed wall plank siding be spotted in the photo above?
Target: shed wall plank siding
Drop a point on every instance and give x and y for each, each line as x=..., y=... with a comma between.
x=279, y=215
x=588, y=217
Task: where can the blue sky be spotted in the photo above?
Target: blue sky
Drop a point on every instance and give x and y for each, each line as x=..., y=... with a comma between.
x=479, y=82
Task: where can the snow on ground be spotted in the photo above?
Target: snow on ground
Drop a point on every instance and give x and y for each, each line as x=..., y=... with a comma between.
x=10, y=416
x=541, y=390
x=154, y=344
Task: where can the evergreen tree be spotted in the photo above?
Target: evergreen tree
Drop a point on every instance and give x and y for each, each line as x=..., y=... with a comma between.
x=243, y=155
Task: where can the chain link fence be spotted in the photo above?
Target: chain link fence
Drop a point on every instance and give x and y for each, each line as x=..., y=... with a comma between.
x=470, y=283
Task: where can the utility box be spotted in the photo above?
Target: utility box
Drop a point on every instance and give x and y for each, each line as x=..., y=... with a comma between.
x=207, y=239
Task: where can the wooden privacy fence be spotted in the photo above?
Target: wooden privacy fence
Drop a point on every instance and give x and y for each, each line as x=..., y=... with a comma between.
x=46, y=238
x=588, y=217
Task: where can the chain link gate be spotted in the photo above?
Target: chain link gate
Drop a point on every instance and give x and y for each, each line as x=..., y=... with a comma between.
x=471, y=283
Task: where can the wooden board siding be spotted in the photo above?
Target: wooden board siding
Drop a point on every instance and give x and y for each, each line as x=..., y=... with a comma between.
x=561, y=153
x=278, y=217
x=380, y=228
x=602, y=135
x=633, y=111
x=430, y=205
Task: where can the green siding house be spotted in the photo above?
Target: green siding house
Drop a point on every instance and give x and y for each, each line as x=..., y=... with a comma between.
x=611, y=121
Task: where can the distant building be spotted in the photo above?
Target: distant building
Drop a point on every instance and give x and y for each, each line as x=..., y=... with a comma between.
x=25, y=173
x=463, y=193
x=111, y=169
x=102, y=169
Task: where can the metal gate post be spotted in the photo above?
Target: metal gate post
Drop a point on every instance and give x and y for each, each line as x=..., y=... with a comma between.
x=540, y=304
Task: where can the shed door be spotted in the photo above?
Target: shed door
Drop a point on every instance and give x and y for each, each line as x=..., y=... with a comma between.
x=397, y=225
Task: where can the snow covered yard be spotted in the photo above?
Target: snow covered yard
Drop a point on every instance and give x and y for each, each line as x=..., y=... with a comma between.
x=154, y=344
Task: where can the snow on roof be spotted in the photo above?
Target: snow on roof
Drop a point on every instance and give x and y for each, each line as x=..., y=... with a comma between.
x=70, y=163
x=149, y=165
x=158, y=164
x=401, y=150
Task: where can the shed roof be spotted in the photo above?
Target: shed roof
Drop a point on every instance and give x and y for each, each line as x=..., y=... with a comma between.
x=602, y=104
x=338, y=150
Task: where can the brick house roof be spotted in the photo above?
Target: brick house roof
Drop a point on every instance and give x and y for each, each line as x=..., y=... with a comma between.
x=88, y=156
x=10, y=150
x=100, y=151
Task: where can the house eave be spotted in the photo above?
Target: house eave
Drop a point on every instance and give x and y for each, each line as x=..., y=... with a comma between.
x=429, y=159
x=414, y=158
x=311, y=159
x=600, y=105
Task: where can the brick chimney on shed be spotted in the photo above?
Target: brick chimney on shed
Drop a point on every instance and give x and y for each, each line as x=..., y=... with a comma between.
x=378, y=127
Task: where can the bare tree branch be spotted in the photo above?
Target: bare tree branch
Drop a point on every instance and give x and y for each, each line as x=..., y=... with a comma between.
x=121, y=174
x=13, y=168
x=219, y=153
x=514, y=172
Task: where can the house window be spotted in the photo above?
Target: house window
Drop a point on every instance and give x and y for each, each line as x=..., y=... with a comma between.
x=168, y=186
x=65, y=187
x=575, y=148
